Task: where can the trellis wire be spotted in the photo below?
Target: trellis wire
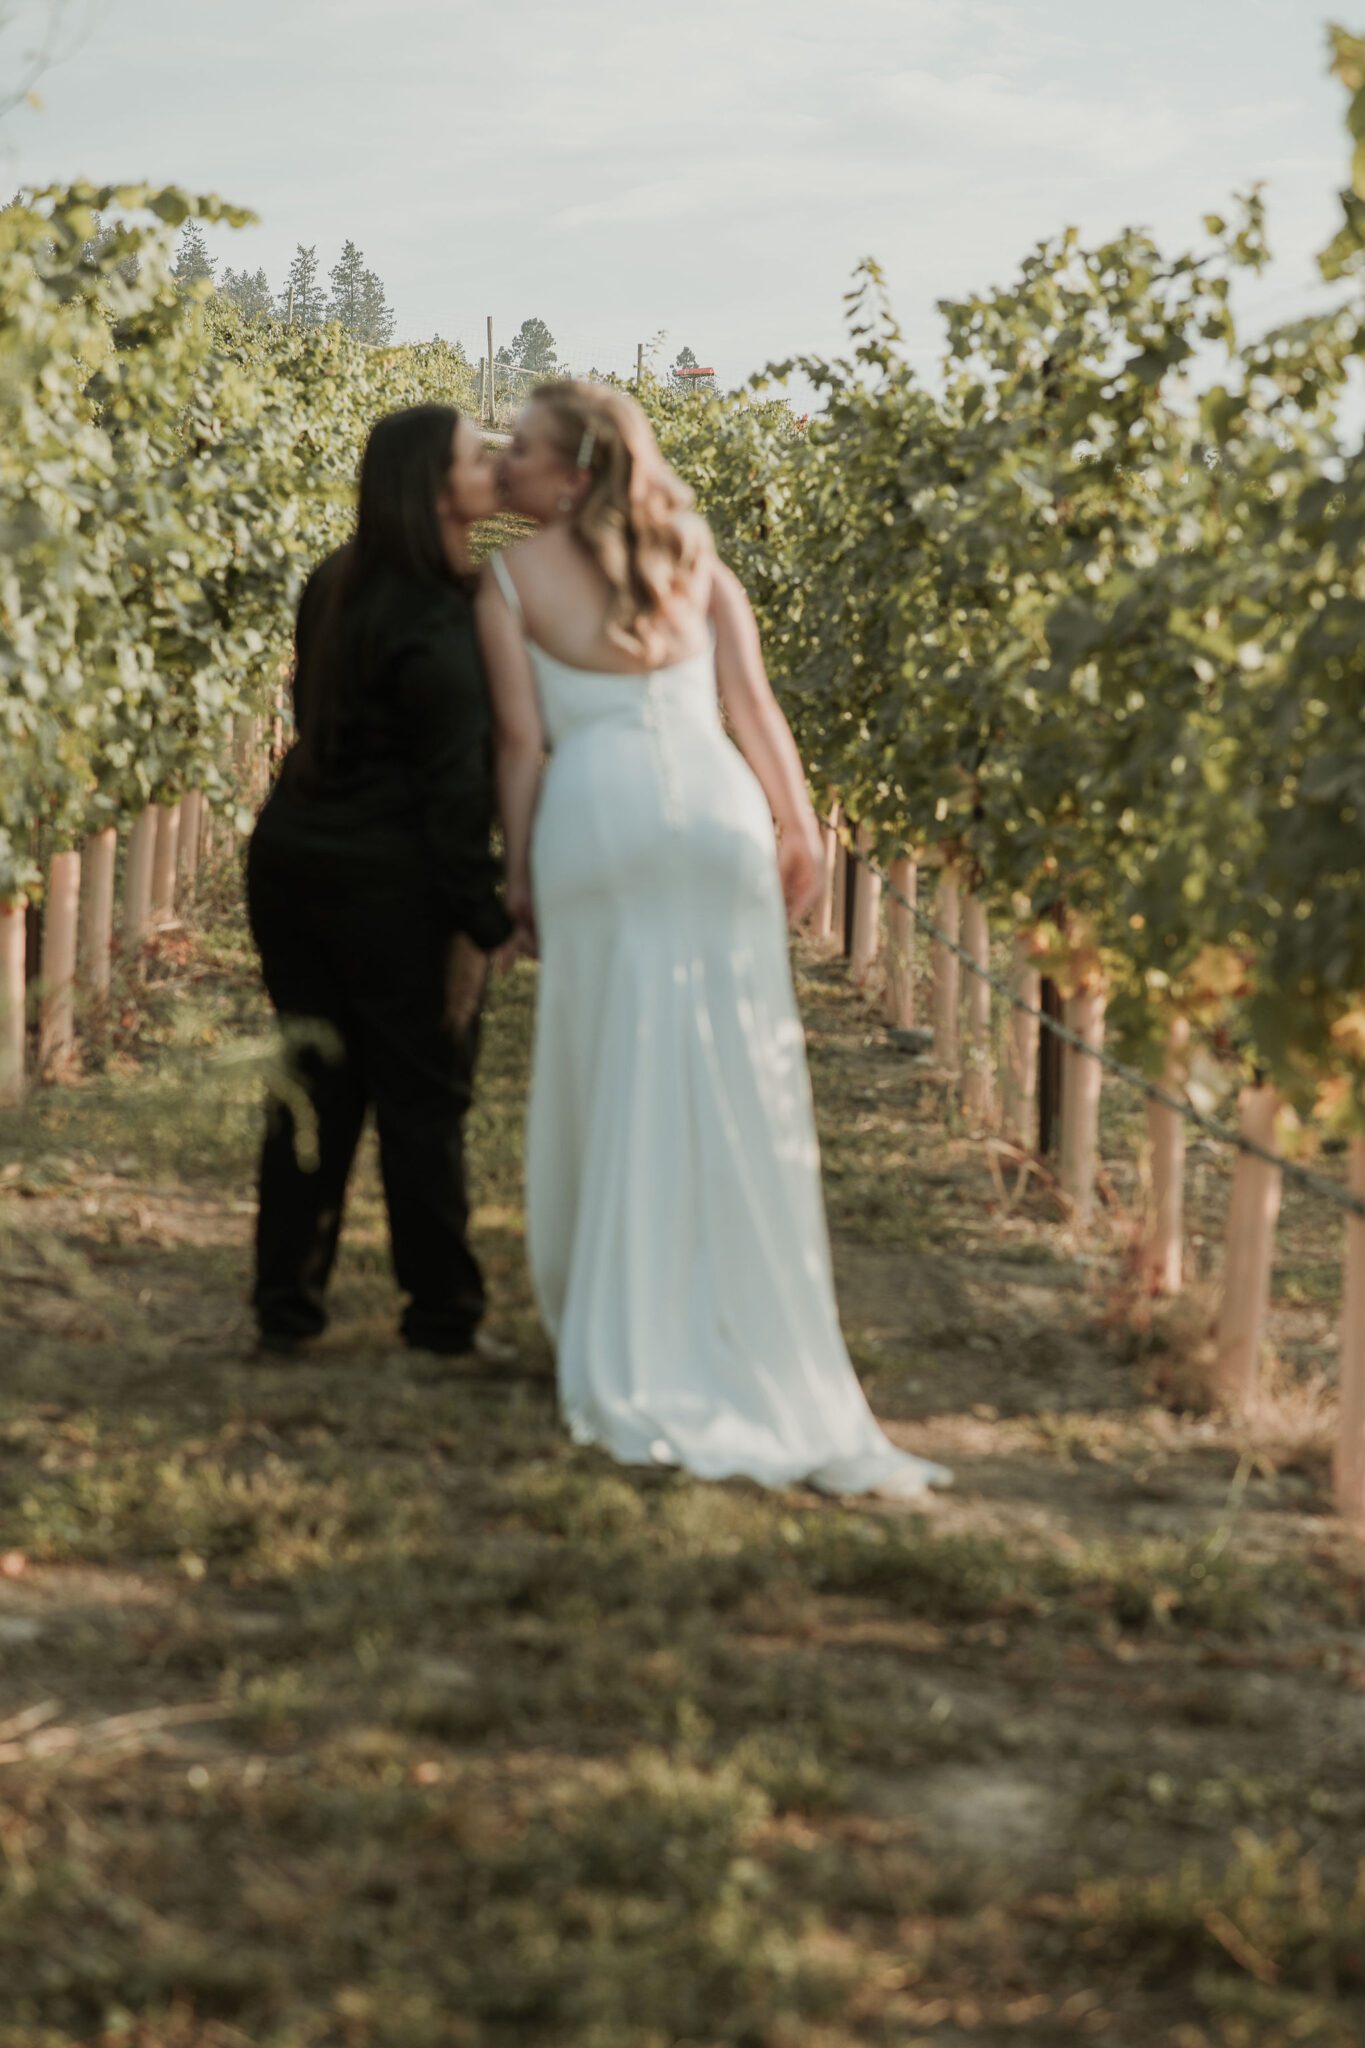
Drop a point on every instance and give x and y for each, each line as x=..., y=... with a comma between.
x=1301, y=1175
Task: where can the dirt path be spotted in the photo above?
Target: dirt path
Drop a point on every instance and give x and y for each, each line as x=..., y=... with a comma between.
x=340, y=1704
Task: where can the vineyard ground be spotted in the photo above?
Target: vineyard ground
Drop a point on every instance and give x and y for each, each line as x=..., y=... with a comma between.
x=346, y=1703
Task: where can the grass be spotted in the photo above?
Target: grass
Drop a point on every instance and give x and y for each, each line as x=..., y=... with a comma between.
x=342, y=1704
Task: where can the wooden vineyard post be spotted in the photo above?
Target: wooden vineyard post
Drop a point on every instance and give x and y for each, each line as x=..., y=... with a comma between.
x=97, y=910
x=250, y=762
x=1249, y=1247
x=839, y=892
x=947, y=970
x=13, y=952
x=1051, y=1070
x=243, y=740
x=57, y=964
x=208, y=837
x=976, y=1088
x=1163, y=1247
x=165, y=862
x=1082, y=1013
x=900, y=943
x=1349, y=1471
x=137, y=880
x=1021, y=1045
x=191, y=829
x=277, y=723
x=867, y=914
x=822, y=917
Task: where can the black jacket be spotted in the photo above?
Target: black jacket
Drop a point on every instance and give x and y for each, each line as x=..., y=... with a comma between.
x=395, y=785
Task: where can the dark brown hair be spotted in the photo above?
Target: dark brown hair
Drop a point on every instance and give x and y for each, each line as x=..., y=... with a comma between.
x=397, y=534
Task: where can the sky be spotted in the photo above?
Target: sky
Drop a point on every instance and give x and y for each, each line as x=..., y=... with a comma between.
x=710, y=170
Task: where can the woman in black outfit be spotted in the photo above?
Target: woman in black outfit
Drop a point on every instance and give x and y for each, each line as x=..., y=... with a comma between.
x=370, y=856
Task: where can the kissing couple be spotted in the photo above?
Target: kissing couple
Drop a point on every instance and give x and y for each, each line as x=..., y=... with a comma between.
x=581, y=689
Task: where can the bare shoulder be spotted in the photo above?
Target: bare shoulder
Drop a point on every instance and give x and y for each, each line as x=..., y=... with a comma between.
x=539, y=564
x=523, y=560
x=727, y=599
x=541, y=549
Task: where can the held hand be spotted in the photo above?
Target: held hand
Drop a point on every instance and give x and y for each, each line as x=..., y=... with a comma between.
x=522, y=910
x=800, y=863
x=467, y=976
x=521, y=946
x=520, y=906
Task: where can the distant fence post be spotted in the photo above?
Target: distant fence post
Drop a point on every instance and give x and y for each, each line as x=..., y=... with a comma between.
x=822, y=917
x=1084, y=1015
x=97, y=909
x=947, y=969
x=1020, y=1088
x=57, y=964
x=1163, y=1244
x=191, y=829
x=1249, y=1250
x=977, y=1090
x=165, y=862
x=900, y=942
x=13, y=953
x=867, y=910
x=1051, y=1070
x=1350, y=1450
x=137, y=879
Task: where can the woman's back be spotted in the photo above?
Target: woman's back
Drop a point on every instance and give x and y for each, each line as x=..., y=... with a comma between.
x=565, y=603
x=390, y=774
x=357, y=650
x=647, y=809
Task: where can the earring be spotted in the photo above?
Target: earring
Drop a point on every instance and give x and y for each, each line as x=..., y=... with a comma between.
x=566, y=503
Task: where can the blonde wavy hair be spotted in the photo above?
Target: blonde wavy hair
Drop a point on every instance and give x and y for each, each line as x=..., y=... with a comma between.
x=636, y=519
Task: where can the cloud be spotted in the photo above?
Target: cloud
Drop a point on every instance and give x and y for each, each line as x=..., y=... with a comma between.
x=987, y=111
x=789, y=181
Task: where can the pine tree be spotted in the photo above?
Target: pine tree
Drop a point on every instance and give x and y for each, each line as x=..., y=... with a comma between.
x=358, y=300
x=685, y=360
x=303, y=291
x=377, y=320
x=192, y=259
x=249, y=292
x=348, y=287
x=105, y=235
x=533, y=349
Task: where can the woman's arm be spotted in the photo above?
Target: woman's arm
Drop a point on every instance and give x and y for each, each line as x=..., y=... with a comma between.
x=313, y=600
x=438, y=686
x=519, y=738
x=765, y=739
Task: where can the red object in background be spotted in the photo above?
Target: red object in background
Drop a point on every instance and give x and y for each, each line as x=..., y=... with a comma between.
x=694, y=373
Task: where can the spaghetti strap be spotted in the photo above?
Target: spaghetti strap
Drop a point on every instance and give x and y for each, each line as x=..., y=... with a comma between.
x=503, y=576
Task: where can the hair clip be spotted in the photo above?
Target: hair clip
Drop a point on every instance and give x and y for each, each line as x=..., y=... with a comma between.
x=586, y=446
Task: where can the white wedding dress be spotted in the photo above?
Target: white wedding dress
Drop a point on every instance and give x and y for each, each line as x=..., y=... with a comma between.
x=678, y=1245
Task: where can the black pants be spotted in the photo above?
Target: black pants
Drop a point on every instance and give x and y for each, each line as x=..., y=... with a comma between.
x=357, y=975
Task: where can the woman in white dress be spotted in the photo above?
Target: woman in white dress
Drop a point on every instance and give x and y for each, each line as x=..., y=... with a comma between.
x=676, y=1225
